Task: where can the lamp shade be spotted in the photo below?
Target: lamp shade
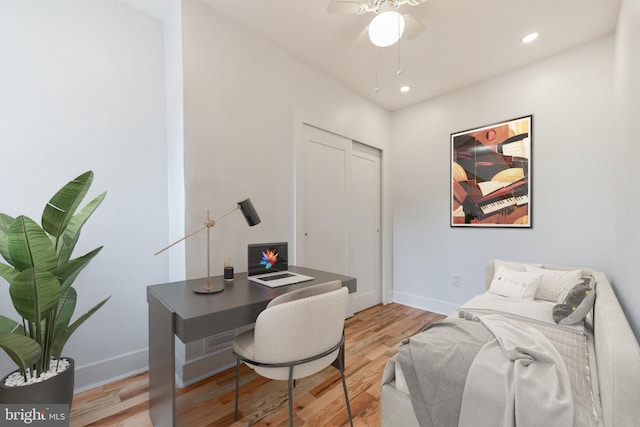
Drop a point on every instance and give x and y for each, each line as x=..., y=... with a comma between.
x=386, y=28
x=249, y=212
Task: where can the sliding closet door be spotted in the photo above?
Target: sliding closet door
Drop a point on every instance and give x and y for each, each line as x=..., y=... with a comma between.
x=366, y=234
x=323, y=210
x=338, y=210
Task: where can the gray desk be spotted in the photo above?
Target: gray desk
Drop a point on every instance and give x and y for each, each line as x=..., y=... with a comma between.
x=174, y=309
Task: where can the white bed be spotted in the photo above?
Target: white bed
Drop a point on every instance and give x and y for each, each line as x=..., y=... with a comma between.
x=601, y=356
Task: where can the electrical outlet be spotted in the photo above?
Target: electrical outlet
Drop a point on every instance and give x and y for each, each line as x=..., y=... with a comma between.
x=456, y=280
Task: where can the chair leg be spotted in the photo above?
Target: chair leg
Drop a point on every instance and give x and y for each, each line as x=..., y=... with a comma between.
x=344, y=386
x=290, y=396
x=237, y=385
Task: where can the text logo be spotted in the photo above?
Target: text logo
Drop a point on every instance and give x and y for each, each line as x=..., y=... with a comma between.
x=53, y=415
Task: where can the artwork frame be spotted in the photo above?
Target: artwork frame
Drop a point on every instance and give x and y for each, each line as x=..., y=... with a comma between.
x=490, y=175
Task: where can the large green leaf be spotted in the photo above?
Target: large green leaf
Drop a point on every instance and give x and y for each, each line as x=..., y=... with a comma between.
x=60, y=209
x=34, y=294
x=69, y=271
x=7, y=272
x=66, y=307
x=10, y=326
x=29, y=246
x=72, y=232
x=18, y=349
x=61, y=339
x=22, y=350
x=5, y=222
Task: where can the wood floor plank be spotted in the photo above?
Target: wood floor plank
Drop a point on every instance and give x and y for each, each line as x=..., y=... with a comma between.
x=372, y=336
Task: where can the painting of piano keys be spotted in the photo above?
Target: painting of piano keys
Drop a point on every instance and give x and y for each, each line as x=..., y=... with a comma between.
x=491, y=175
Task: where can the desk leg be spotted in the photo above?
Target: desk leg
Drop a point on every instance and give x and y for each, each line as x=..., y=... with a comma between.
x=162, y=380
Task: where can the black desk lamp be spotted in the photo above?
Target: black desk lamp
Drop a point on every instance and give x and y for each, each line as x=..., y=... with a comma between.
x=252, y=218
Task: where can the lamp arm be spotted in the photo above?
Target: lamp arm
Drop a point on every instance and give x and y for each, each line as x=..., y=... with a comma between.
x=225, y=214
x=208, y=224
x=184, y=238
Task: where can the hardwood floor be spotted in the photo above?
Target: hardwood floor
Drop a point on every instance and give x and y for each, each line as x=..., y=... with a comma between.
x=372, y=337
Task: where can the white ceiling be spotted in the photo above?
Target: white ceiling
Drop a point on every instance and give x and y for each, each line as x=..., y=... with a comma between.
x=464, y=42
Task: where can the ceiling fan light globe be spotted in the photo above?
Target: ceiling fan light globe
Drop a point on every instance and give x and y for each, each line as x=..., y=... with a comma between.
x=386, y=28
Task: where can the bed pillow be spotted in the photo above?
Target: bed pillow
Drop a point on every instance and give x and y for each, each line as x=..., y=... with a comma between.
x=515, y=284
x=554, y=283
x=512, y=265
x=576, y=305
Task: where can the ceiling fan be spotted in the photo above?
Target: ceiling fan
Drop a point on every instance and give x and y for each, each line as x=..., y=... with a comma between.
x=388, y=26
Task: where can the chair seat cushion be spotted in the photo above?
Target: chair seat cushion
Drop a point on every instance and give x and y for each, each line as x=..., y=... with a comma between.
x=243, y=345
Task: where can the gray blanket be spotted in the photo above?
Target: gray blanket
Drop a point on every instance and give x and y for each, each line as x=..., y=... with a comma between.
x=435, y=365
x=459, y=373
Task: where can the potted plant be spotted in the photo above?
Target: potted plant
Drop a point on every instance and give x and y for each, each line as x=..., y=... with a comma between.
x=40, y=274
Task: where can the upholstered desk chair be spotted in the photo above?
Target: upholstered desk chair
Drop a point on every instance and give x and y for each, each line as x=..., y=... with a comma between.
x=298, y=334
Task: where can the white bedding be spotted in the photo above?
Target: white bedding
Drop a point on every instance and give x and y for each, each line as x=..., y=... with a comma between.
x=613, y=356
x=532, y=310
x=574, y=349
x=528, y=381
x=571, y=341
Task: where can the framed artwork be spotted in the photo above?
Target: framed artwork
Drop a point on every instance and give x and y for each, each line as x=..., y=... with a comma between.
x=491, y=175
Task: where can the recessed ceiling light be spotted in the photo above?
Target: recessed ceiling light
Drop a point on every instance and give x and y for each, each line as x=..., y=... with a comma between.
x=529, y=37
x=405, y=88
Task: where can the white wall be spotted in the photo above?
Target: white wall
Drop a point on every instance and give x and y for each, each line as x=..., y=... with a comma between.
x=573, y=192
x=172, y=24
x=82, y=86
x=244, y=102
x=242, y=95
x=627, y=248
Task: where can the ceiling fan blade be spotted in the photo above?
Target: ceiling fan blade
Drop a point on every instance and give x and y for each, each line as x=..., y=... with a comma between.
x=363, y=37
x=346, y=7
x=412, y=27
x=411, y=2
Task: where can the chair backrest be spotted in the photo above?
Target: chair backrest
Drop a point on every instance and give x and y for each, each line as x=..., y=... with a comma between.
x=306, y=292
x=302, y=325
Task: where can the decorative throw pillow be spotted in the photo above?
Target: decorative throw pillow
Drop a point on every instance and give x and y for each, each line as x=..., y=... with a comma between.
x=576, y=306
x=554, y=282
x=514, y=284
x=590, y=281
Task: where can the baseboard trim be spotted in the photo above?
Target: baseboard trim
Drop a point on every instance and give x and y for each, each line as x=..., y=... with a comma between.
x=109, y=370
x=428, y=304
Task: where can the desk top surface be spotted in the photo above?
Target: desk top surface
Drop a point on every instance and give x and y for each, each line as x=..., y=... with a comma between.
x=180, y=298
